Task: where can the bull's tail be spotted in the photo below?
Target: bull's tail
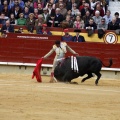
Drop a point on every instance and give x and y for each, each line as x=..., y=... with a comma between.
x=110, y=63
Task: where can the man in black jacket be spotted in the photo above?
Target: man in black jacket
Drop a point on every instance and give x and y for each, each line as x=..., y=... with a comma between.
x=7, y=27
x=78, y=37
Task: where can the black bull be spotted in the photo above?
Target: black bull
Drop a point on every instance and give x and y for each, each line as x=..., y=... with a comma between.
x=86, y=65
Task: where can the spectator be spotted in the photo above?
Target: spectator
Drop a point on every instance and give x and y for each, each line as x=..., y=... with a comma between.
x=51, y=8
x=30, y=23
x=113, y=25
x=117, y=18
x=74, y=9
x=93, y=4
x=78, y=37
x=51, y=21
x=86, y=8
x=44, y=30
x=3, y=18
x=40, y=9
x=102, y=27
x=39, y=22
x=7, y=27
x=63, y=10
x=79, y=23
x=90, y=27
x=67, y=23
x=67, y=37
x=100, y=9
x=35, y=13
x=45, y=14
x=6, y=11
x=68, y=5
x=21, y=4
x=97, y=18
x=12, y=19
x=58, y=17
x=60, y=2
x=21, y=20
x=82, y=6
x=26, y=12
x=29, y=4
x=16, y=11
x=86, y=17
x=108, y=17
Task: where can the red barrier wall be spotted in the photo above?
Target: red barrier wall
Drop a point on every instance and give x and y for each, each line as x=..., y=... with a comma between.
x=29, y=51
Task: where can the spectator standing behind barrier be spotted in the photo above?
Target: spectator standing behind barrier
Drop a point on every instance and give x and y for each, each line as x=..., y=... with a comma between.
x=102, y=27
x=90, y=27
x=78, y=37
x=60, y=48
x=67, y=37
x=7, y=27
x=21, y=20
x=44, y=30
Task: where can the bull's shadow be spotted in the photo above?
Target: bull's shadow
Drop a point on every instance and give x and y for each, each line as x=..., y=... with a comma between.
x=86, y=65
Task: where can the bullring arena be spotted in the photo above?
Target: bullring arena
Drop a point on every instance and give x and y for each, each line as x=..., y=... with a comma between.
x=23, y=98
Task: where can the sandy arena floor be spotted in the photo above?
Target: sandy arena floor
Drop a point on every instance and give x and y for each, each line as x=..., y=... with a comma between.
x=22, y=98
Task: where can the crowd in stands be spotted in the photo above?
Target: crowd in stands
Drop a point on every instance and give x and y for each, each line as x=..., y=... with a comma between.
x=39, y=14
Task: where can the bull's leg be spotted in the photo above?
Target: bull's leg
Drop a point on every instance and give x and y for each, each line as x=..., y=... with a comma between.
x=98, y=77
x=67, y=77
x=89, y=76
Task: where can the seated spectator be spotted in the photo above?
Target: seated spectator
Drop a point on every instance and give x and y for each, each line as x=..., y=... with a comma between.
x=29, y=4
x=21, y=20
x=68, y=5
x=44, y=30
x=26, y=12
x=39, y=22
x=78, y=37
x=3, y=18
x=102, y=27
x=86, y=17
x=12, y=19
x=67, y=23
x=117, y=18
x=40, y=9
x=7, y=27
x=51, y=21
x=100, y=9
x=82, y=5
x=45, y=14
x=51, y=8
x=78, y=23
x=59, y=2
x=63, y=10
x=67, y=37
x=74, y=9
x=58, y=17
x=21, y=4
x=90, y=27
x=108, y=17
x=6, y=11
x=16, y=11
x=35, y=13
x=113, y=25
x=97, y=18
x=30, y=23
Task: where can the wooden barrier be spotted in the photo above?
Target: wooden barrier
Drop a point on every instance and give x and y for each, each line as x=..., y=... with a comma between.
x=30, y=50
